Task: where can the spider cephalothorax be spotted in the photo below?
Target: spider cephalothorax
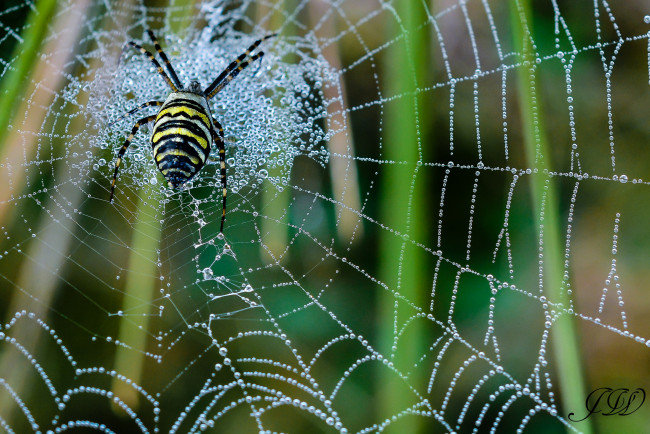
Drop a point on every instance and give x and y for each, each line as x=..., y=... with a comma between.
x=184, y=129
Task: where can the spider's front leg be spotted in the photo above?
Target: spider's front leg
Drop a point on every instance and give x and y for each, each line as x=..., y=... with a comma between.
x=238, y=65
x=163, y=56
x=124, y=147
x=217, y=135
x=155, y=63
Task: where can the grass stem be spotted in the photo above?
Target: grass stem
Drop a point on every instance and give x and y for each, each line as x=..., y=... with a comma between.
x=138, y=294
x=342, y=164
x=403, y=207
x=563, y=335
x=26, y=54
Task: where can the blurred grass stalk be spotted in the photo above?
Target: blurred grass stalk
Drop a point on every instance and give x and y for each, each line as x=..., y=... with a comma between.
x=12, y=88
x=403, y=207
x=563, y=335
x=46, y=255
x=141, y=278
x=275, y=203
x=342, y=165
x=180, y=17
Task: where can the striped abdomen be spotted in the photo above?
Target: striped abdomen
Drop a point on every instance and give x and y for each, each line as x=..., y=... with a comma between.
x=182, y=137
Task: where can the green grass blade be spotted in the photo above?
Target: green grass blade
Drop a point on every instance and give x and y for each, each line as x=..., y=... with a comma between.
x=403, y=207
x=26, y=54
x=138, y=294
x=563, y=335
x=180, y=16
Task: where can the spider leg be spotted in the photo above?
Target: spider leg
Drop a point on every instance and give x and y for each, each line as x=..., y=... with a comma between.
x=237, y=61
x=240, y=67
x=235, y=67
x=160, y=69
x=217, y=134
x=126, y=144
x=140, y=107
x=164, y=58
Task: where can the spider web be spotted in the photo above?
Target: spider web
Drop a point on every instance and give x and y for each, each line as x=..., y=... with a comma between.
x=328, y=303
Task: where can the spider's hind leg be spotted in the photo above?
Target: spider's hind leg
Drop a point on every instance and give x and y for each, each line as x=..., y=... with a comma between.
x=217, y=135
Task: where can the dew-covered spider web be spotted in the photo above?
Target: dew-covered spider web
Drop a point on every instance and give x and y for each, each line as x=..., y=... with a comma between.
x=436, y=218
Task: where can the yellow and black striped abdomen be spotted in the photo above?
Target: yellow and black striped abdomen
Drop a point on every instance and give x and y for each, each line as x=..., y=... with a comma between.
x=182, y=137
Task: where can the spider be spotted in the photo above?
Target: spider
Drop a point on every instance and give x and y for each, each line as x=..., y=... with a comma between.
x=184, y=128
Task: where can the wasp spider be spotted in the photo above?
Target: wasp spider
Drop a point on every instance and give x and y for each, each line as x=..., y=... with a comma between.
x=184, y=129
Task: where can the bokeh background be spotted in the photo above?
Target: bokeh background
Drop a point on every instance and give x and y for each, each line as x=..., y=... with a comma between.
x=471, y=255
